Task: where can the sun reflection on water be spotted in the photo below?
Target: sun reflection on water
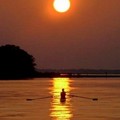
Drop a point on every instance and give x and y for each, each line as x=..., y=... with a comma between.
x=60, y=111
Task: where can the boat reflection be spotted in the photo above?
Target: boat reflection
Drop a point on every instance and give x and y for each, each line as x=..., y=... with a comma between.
x=61, y=110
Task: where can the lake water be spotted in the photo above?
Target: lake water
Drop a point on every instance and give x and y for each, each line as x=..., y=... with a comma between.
x=15, y=106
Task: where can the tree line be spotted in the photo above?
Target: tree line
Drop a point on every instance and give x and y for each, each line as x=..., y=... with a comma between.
x=16, y=63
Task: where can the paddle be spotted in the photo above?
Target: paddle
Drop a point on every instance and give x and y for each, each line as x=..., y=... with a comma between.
x=94, y=99
x=39, y=98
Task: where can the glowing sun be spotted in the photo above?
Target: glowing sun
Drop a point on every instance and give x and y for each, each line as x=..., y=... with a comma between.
x=61, y=5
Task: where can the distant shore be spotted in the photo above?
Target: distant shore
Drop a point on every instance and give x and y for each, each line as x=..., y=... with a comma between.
x=66, y=73
x=79, y=73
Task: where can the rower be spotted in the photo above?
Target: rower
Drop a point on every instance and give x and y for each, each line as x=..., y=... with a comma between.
x=63, y=96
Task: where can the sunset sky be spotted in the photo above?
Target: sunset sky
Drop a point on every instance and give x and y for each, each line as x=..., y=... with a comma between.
x=86, y=36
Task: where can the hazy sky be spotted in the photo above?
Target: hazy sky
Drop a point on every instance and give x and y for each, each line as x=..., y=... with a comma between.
x=87, y=36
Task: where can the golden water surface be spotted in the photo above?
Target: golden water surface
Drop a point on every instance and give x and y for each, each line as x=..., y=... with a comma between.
x=45, y=99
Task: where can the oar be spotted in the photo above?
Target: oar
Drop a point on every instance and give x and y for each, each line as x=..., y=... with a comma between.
x=29, y=99
x=95, y=99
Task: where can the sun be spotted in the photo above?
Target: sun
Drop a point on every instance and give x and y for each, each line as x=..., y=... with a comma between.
x=61, y=5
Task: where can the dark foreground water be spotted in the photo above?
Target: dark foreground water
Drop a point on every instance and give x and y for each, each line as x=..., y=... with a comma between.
x=14, y=106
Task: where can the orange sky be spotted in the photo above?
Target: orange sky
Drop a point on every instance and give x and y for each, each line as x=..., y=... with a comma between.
x=87, y=36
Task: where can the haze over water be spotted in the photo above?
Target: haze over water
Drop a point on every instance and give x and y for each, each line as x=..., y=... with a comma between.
x=14, y=106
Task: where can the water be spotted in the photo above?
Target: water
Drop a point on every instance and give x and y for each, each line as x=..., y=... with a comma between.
x=14, y=106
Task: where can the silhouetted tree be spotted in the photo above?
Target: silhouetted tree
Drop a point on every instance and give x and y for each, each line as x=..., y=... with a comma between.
x=15, y=63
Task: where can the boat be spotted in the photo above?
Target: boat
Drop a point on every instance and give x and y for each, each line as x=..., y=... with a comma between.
x=63, y=100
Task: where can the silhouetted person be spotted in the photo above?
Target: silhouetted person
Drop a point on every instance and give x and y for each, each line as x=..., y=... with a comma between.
x=63, y=96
